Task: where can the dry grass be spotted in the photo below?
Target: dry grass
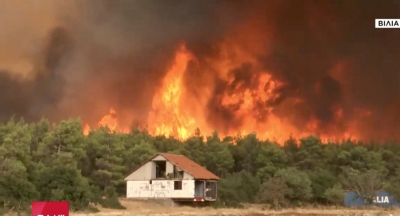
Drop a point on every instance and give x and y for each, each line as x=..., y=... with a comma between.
x=167, y=208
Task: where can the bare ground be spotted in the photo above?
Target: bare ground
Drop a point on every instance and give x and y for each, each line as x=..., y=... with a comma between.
x=168, y=208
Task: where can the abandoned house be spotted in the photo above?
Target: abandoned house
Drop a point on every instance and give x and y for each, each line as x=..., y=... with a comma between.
x=172, y=176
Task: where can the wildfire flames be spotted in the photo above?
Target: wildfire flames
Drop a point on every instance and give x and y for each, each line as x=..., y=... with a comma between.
x=174, y=112
x=110, y=121
x=279, y=69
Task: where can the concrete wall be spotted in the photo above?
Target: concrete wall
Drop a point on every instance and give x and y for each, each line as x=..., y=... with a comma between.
x=159, y=189
x=187, y=176
x=147, y=171
x=170, y=168
x=159, y=158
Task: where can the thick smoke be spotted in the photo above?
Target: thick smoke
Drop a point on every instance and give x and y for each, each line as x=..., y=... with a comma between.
x=35, y=97
x=33, y=51
x=68, y=59
x=309, y=41
x=321, y=36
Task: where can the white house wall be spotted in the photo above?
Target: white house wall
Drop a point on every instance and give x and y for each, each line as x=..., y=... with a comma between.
x=159, y=158
x=187, y=176
x=159, y=189
x=169, y=168
x=147, y=171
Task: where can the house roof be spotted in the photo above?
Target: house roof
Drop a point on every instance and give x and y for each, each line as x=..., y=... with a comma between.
x=189, y=166
x=185, y=164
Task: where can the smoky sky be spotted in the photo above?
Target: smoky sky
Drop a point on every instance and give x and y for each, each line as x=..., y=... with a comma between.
x=96, y=53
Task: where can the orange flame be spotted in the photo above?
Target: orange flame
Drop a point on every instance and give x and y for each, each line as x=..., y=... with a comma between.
x=175, y=113
x=168, y=116
x=109, y=120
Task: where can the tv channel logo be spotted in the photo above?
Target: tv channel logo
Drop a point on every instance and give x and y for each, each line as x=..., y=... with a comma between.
x=50, y=209
x=387, y=23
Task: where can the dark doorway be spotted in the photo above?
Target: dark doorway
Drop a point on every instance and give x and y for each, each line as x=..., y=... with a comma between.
x=211, y=190
x=161, y=168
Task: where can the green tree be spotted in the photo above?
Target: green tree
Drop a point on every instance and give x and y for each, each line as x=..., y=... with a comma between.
x=310, y=155
x=64, y=145
x=238, y=188
x=363, y=183
x=298, y=181
x=359, y=158
x=16, y=191
x=246, y=152
x=64, y=183
x=335, y=194
x=270, y=159
x=104, y=152
x=321, y=180
x=276, y=192
x=218, y=159
x=195, y=149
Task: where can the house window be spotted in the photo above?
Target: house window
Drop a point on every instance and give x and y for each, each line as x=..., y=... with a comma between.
x=177, y=185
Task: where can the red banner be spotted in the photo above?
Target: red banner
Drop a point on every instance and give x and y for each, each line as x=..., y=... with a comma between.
x=50, y=209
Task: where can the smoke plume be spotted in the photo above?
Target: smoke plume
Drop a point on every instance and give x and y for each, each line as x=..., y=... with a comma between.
x=78, y=58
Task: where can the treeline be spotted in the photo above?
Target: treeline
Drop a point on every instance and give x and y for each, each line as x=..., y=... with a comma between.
x=41, y=161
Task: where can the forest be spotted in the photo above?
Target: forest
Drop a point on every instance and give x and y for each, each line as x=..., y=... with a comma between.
x=46, y=161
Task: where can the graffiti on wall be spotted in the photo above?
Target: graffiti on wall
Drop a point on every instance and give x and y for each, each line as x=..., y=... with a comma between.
x=142, y=189
x=161, y=188
x=158, y=189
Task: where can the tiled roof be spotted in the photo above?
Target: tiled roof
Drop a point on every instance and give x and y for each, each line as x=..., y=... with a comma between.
x=189, y=166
